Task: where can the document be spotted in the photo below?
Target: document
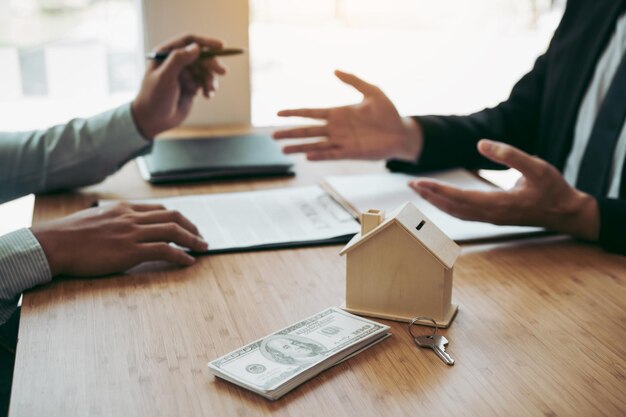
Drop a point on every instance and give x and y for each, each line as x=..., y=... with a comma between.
x=359, y=193
x=265, y=219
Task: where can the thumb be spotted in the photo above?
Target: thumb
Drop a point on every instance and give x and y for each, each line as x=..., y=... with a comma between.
x=180, y=58
x=362, y=86
x=502, y=153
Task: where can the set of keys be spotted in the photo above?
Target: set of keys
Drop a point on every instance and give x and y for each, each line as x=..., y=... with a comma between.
x=433, y=341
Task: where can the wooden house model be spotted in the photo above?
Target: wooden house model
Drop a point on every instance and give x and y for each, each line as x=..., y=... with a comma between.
x=400, y=267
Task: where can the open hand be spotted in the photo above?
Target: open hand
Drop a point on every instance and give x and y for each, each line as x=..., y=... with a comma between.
x=541, y=197
x=114, y=238
x=168, y=87
x=372, y=129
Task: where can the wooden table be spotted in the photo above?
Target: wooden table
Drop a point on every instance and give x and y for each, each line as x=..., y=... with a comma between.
x=540, y=331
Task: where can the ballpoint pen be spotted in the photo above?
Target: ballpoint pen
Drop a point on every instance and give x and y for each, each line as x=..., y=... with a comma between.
x=204, y=54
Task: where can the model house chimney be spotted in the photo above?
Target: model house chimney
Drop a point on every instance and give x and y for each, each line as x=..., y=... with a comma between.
x=371, y=219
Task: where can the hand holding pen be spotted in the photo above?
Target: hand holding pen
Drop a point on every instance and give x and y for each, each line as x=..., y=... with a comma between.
x=176, y=71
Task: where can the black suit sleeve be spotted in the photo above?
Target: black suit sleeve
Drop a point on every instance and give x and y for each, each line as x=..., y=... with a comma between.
x=612, y=224
x=450, y=141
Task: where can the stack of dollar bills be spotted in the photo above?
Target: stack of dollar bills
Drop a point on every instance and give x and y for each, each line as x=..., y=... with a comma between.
x=278, y=363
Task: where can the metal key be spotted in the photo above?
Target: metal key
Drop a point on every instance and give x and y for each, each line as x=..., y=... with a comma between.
x=437, y=343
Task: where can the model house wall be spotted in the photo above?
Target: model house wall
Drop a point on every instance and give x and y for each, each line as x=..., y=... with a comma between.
x=398, y=273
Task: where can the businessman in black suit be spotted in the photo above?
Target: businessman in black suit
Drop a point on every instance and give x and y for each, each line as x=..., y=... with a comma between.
x=568, y=111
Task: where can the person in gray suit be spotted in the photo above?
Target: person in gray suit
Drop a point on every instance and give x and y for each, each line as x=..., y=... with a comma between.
x=100, y=240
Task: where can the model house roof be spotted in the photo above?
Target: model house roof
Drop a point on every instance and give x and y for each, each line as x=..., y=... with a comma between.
x=414, y=222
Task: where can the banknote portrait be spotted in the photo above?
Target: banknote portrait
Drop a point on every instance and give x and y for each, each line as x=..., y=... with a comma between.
x=292, y=350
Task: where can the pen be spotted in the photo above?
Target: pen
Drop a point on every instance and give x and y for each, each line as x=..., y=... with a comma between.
x=204, y=54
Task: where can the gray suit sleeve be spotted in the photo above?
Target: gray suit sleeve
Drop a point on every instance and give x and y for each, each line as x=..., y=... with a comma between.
x=82, y=152
x=79, y=153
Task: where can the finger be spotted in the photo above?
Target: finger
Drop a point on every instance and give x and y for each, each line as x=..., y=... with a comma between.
x=216, y=66
x=310, y=113
x=502, y=153
x=197, y=72
x=465, y=204
x=326, y=155
x=147, y=207
x=204, y=85
x=178, y=59
x=171, y=232
x=446, y=205
x=188, y=85
x=363, y=87
x=301, y=132
x=164, y=252
x=205, y=76
x=309, y=147
x=459, y=195
x=183, y=41
x=210, y=86
x=168, y=216
x=214, y=84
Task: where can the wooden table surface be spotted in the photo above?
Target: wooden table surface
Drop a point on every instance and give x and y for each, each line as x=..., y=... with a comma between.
x=541, y=329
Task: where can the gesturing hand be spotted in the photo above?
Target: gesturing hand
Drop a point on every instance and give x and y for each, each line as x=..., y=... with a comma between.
x=372, y=129
x=168, y=88
x=541, y=197
x=104, y=240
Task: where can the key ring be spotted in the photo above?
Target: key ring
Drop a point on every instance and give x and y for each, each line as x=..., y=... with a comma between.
x=422, y=318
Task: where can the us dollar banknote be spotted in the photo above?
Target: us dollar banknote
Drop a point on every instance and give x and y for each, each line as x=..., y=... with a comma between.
x=291, y=353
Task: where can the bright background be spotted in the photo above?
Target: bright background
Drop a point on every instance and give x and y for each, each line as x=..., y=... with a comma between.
x=73, y=58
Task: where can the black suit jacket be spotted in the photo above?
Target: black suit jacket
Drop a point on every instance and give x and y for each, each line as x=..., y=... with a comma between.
x=540, y=114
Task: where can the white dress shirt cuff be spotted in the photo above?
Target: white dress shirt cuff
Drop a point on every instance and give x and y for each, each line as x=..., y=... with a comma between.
x=23, y=265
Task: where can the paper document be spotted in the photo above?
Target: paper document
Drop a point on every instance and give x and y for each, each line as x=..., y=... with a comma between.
x=388, y=191
x=267, y=218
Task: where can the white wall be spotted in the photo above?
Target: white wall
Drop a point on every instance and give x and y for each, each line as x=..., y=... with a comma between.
x=224, y=19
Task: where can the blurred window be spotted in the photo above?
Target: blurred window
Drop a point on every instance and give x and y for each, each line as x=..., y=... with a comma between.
x=448, y=56
x=61, y=59
x=66, y=58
